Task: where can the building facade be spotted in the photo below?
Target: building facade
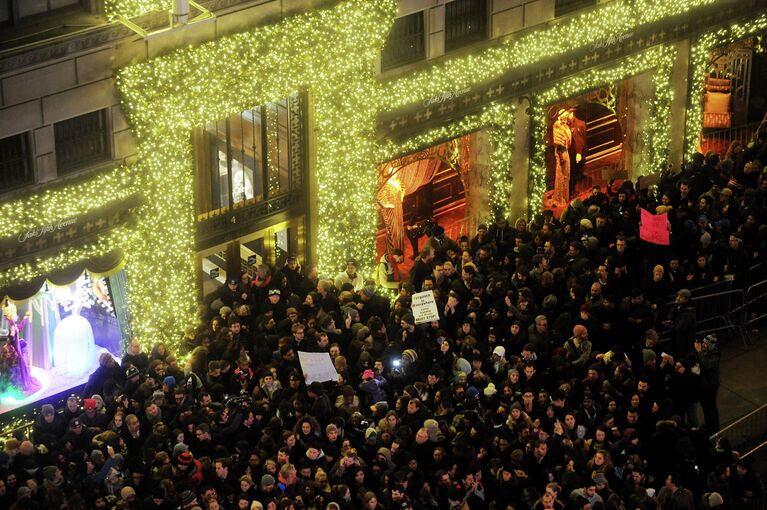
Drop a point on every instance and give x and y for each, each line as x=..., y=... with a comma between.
x=187, y=148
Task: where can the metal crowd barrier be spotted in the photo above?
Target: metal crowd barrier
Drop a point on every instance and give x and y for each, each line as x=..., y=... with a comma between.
x=757, y=273
x=746, y=433
x=716, y=312
x=755, y=304
x=21, y=429
x=747, y=437
x=722, y=311
x=721, y=307
x=696, y=292
x=712, y=288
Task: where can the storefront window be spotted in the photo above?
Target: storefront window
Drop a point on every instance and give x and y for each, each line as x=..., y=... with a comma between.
x=438, y=186
x=592, y=139
x=251, y=154
x=66, y=325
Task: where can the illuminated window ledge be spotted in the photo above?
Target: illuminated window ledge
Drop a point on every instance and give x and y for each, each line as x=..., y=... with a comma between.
x=176, y=21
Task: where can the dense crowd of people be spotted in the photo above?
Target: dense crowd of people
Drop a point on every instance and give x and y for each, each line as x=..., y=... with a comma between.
x=564, y=373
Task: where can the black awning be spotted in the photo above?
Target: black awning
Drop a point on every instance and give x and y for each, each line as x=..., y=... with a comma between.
x=101, y=266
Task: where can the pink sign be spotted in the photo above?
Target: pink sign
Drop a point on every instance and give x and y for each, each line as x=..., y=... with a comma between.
x=654, y=228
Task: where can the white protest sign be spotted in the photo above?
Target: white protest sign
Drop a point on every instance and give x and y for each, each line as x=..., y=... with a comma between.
x=424, y=307
x=318, y=366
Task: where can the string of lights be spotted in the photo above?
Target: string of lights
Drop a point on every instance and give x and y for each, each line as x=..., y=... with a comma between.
x=132, y=8
x=53, y=204
x=33, y=268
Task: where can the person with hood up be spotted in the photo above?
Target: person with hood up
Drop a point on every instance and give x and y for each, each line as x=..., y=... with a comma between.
x=372, y=387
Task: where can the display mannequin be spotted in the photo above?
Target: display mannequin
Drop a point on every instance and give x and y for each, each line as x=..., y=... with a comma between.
x=22, y=376
x=562, y=137
x=577, y=151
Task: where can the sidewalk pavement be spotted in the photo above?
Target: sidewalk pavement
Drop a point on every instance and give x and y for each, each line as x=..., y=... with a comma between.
x=743, y=378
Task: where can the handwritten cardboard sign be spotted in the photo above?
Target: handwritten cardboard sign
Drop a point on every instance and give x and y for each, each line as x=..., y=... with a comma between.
x=424, y=307
x=318, y=366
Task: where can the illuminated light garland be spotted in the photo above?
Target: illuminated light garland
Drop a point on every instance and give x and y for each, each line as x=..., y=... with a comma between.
x=656, y=137
x=34, y=268
x=501, y=178
x=68, y=201
x=133, y=8
x=699, y=55
x=497, y=116
x=329, y=52
x=611, y=20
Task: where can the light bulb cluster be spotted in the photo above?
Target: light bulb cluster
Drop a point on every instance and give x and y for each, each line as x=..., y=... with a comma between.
x=71, y=200
x=700, y=62
x=656, y=137
x=99, y=247
x=12, y=425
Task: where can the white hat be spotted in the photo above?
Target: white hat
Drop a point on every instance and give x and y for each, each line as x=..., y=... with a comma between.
x=499, y=351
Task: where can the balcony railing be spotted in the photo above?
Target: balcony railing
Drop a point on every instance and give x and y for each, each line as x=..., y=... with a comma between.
x=224, y=222
x=719, y=140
